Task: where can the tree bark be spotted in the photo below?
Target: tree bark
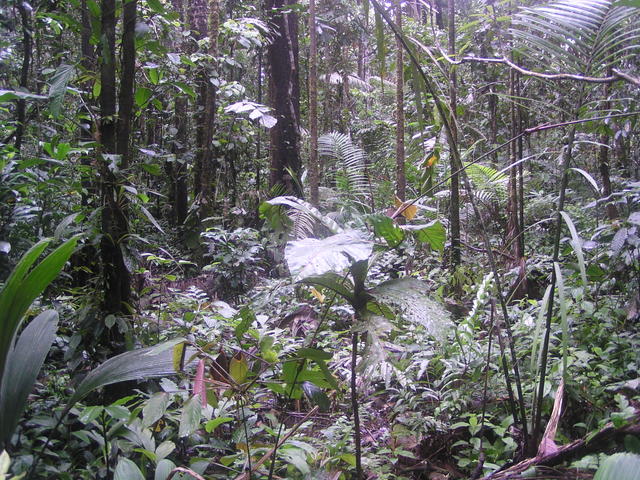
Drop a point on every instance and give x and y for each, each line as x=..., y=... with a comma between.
x=205, y=17
x=284, y=90
x=117, y=280
x=314, y=178
x=454, y=203
x=603, y=157
x=27, y=45
x=401, y=179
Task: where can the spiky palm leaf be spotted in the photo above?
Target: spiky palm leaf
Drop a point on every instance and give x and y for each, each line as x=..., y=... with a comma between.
x=349, y=159
x=490, y=184
x=578, y=36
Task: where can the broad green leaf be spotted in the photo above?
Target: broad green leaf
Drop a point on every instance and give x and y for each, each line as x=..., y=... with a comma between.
x=143, y=94
x=338, y=283
x=619, y=466
x=350, y=458
x=247, y=317
x=432, y=233
x=23, y=287
x=238, y=368
x=127, y=470
x=155, y=5
x=410, y=297
x=151, y=218
x=177, y=356
x=328, y=376
x=313, y=354
x=24, y=362
x=384, y=226
x=155, y=408
x=164, y=449
x=310, y=257
x=186, y=89
x=191, y=415
x=316, y=396
x=163, y=469
x=211, y=425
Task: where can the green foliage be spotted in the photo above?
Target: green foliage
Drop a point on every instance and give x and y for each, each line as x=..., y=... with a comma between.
x=22, y=356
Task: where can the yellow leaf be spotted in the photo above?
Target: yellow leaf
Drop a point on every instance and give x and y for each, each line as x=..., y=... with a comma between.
x=238, y=368
x=409, y=212
x=178, y=357
x=317, y=294
x=430, y=161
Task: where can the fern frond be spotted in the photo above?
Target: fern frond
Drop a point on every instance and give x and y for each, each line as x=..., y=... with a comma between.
x=490, y=184
x=349, y=159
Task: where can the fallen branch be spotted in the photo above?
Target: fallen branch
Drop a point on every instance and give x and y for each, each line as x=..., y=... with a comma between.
x=592, y=443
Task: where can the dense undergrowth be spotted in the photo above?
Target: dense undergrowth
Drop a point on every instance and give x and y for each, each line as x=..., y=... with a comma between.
x=269, y=358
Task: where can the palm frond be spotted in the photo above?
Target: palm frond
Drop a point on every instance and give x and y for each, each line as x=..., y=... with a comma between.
x=490, y=185
x=349, y=159
x=577, y=36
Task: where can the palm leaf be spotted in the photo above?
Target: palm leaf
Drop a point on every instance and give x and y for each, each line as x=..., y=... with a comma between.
x=578, y=36
x=349, y=159
x=490, y=184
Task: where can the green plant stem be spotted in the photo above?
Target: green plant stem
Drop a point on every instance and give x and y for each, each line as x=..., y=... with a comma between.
x=105, y=438
x=537, y=414
x=246, y=435
x=354, y=406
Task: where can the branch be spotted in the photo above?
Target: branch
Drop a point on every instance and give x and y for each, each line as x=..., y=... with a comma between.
x=578, y=448
x=615, y=77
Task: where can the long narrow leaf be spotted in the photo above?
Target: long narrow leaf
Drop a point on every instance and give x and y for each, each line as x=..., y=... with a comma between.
x=577, y=246
x=134, y=365
x=24, y=362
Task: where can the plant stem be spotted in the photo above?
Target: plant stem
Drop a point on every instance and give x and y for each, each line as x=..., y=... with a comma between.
x=354, y=406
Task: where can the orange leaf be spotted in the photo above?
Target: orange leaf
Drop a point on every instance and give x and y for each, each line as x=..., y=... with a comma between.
x=409, y=212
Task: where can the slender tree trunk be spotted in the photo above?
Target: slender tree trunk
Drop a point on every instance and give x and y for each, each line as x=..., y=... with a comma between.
x=401, y=180
x=603, y=157
x=27, y=46
x=314, y=178
x=514, y=238
x=127, y=82
x=284, y=90
x=454, y=203
x=205, y=17
x=117, y=281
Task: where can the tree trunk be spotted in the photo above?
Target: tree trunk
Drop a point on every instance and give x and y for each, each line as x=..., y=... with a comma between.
x=314, y=178
x=603, y=157
x=284, y=90
x=454, y=203
x=401, y=180
x=514, y=238
x=205, y=17
x=27, y=46
x=117, y=281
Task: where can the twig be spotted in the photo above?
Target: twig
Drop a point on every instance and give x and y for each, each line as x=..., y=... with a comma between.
x=285, y=437
x=188, y=471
